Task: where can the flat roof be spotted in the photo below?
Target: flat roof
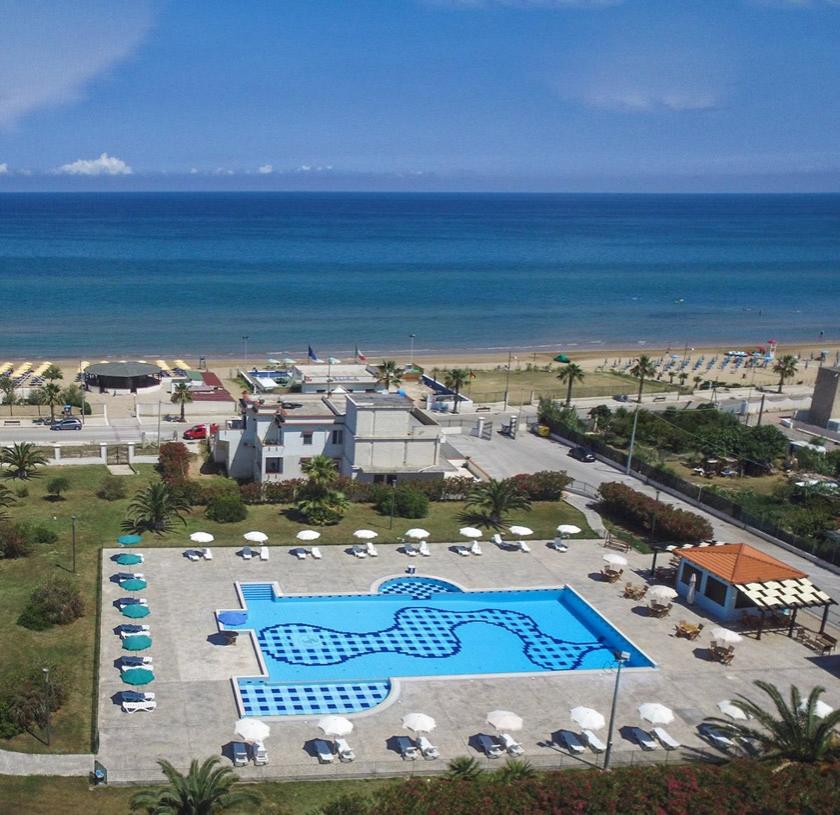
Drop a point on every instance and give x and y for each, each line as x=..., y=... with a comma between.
x=380, y=400
x=122, y=370
x=739, y=563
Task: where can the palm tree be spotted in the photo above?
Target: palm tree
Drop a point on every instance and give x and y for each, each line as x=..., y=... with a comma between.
x=785, y=367
x=204, y=790
x=796, y=734
x=320, y=471
x=316, y=500
x=51, y=395
x=697, y=380
x=389, y=374
x=155, y=509
x=53, y=373
x=490, y=503
x=181, y=394
x=598, y=414
x=570, y=374
x=682, y=377
x=22, y=460
x=515, y=769
x=463, y=768
x=455, y=379
x=8, y=389
x=643, y=369
x=6, y=500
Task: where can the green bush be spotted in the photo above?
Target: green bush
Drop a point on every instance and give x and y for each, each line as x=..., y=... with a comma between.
x=58, y=601
x=201, y=493
x=36, y=533
x=57, y=485
x=404, y=502
x=251, y=493
x=226, y=509
x=25, y=699
x=14, y=541
x=22, y=491
x=112, y=488
x=174, y=462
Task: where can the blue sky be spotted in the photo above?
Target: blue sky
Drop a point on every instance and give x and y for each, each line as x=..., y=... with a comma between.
x=421, y=94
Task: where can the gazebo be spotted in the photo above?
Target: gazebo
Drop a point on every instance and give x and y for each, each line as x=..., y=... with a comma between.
x=123, y=377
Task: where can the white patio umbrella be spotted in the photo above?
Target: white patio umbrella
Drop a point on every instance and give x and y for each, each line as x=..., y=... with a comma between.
x=272, y=361
x=615, y=560
x=252, y=730
x=417, y=534
x=334, y=361
x=256, y=537
x=661, y=593
x=308, y=535
x=504, y=720
x=418, y=722
x=656, y=713
x=725, y=635
x=521, y=530
x=335, y=726
x=728, y=709
x=289, y=361
x=587, y=718
x=821, y=709
x=202, y=537
x=692, y=589
x=569, y=529
x=470, y=532
x=365, y=534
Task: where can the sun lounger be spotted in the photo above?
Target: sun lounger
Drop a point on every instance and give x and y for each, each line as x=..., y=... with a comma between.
x=429, y=751
x=358, y=551
x=491, y=748
x=133, y=601
x=324, y=752
x=424, y=549
x=524, y=546
x=666, y=739
x=246, y=553
x=643, y=739
x=137, y=696
x=135, y=662
x=571, y=742
x=595, y=744
x=511, y=744
x=463, y=551
x=560, y=545
x=315, y=552
x=299, y=552
x=191, y=554
x=206, y=554
x=133, y=707
x=410, y=549
x=718, y=738
x=345, y=753
x=475, y=548
x=239, y=752
x=263, y=553
x=259, y=753
x=408, y=750
x=133, y=630
x=497, y=539
x=371, y=550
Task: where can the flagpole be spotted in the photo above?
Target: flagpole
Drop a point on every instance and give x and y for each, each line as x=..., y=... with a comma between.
x=329, y=369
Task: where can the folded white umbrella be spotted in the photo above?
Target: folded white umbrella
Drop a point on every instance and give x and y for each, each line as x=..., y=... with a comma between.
x=272, y=361
x=334, y=361
x=821, y=709
x=504, y=720
x=655, y=713
x=569, y=529
x=615, y=560
x=308, y=535
x=728, y=709
x=256, y=537
x=725, y=635
x=202, y=537
x=418, y=722
x=417, y=534
x=252, y=730
x=289, y=361
x=587, y=718
x=661, y=593
x=470, y=532
x=521, y=530
x=336, y=726
x=365, y=534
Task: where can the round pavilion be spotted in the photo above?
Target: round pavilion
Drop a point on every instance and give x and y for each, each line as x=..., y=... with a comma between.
x=123, y=377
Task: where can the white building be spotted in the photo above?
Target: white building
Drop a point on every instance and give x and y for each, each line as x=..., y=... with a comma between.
x=324, y=378
x=371, y=436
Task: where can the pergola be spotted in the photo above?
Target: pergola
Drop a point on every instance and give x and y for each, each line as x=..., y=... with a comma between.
x=787, y=595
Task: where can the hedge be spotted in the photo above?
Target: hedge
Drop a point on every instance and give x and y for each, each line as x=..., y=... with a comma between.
x=174, y=462
x=546, y=485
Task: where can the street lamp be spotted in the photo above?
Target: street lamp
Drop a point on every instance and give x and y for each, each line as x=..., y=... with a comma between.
x=620, y=657
x=245, y=350
x=47, y=703
x=411, y=352
x=507, y=380
x=632, y=442
x=73, y=522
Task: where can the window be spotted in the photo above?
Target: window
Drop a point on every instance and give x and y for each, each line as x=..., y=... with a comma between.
x=715, y=590
x=274, y=464
x=307, y=438
x=337, y=437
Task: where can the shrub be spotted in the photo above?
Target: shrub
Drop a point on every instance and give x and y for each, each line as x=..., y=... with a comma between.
x=14, y=541
x=283, y=492
x=22, y=491
x=36, y=533
x=546, y=485
x=226, y=509
x=112, y=488
x=23, y=704
x=57, y=485
x=404, y=502
x=251, y=493
x=58, y=601
x=198, y=493
x=174, y=462
x=350, y=803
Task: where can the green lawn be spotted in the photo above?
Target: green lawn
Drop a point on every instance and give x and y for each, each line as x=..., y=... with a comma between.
x=71, y=648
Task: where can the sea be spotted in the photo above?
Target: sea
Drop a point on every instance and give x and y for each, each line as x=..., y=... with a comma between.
x=269, y=274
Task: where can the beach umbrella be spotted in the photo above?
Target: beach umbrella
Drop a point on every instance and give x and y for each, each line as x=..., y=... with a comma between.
x=365, y=534
x=821, y=709
x=587, y=718
x=127, y=559
x=656, y=713
x=418, y=722
x=272, y=361
x=202, y=537
x=568, y=529
x=233, y=617
x=137, y=676
x=133, y=584
x=129, y=540
x=138, y=642
x=289, y=361
x=335, y=726
x=521, y=530
x=256, y=537
x=417, y=534
x=470, y=532
x=252, y=730
x=728, y=709
x=135, y=611
x=615, y=560
x=725, y=635
x=504, y=720
x=308, y=535
x=661, y=593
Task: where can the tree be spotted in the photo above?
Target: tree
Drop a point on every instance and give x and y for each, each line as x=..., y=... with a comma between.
x=317, y=501
x=155, y=509
x=51, y=396
x=643, y=369
x=181, y=394
x=206, y=789
x=570, y=374
x=58, y=485
x=463, y=768
x=22, y=459
x=795, y=734
x=785, y=367
x=389, y=374
x=599, y=414
x=696, y=380
x=491, y=503
x=682, y=377
x=36, y=397
x=9, y=390
x=455, y=379
x=53, y=373
x=320, y=472
x=6, y=500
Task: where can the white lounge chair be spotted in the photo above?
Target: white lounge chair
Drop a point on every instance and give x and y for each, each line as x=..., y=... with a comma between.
x=719, y=738
x=246, y=553
x=315, y=552
x=424, y=549
x=371, y=549
x=191, y=554
x=408, y=750
x=206, y=553
x=666, y=739
x=463, y=551
x=429, y=751
x=133, y=601
x=324, y=752
x=133, y=707
x=134, y=631
x=492, y=748
x=358, y=551
x=643, y=739
x=511, y=744
x=263, y=553
x=595, y=744
x=259, y=753
x=475, y=548
x=345, y=753
x=524, y=546
x=571, y=742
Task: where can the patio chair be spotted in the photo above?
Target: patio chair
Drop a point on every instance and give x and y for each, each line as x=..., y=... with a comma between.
x=524, y=546
x=263, y=553
x=345, y=752
x=246, y=553
x=408, y=750
x=429, y=751
x=666, y=739
x=371, y=549
x=595, y=744
x=315, y=552
x=463, y=551
x=643, y=739
x=410, y=549
x=571, y=742
x=207, y=554
x=497, y=539
x=323, y=751
x=629, y=591
x=191, y=554
x=511, y=744
x=358, y=551
x=491, y=748
x=475, y=548
x=424, y=549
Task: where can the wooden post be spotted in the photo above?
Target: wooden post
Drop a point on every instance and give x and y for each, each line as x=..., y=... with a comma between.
x=824, y=619
x=792, y=622
x=760, y=625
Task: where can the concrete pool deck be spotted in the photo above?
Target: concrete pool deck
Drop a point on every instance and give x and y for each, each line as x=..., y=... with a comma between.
x=196, y=709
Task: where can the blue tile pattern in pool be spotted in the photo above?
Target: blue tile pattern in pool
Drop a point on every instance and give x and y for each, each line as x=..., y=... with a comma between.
x=338, y=653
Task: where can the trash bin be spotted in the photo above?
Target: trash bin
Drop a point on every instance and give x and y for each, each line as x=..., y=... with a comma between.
x=544, y=431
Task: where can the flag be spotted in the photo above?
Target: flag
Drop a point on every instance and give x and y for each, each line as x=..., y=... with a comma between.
x=312, y=355
x=360, y=356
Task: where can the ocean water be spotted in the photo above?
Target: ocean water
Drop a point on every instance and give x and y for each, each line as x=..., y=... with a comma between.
x=186, y=274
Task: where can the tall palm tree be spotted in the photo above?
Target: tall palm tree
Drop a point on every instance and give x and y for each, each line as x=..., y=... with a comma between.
x=643, y=369
x=155, y=509
x=697, y=380
x=389, y=374
x=682, y=377
x=599, y=414
x=22, y=459
x=204, y=790
x=785, y=367
x=793, y=733
x=455, y=379
x=320, y=471
x=463, y=768
x=53, y=373
x=51, y=395
x=491, y=503
x=570, y=374
x=181, y=394
x=9, y=390
x=317, y=501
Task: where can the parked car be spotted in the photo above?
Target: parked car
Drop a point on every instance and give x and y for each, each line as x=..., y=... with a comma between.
x=581, y=454
x=70, y=423
x=200, y=431
x=621, y=397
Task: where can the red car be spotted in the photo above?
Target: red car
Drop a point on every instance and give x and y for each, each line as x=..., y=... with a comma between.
x=199, y=431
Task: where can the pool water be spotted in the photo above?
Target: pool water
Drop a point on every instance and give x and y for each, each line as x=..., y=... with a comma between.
x=338, y=653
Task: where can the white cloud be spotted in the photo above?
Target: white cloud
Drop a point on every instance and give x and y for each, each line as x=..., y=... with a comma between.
x=4, y=168
x=193, y=170
x=265, y=169
x=104, y=165
x=222, y=171
x=635, y=100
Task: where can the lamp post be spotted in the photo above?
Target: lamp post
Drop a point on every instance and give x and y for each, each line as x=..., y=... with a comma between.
x=47, y=703
x=507, y=380
x=73, y=522
x=245, y=349
x=632, y=442
x=620, y=657
x=411, y=352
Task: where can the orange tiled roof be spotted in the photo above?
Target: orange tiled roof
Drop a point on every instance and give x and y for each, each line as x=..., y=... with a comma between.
x=739, y=563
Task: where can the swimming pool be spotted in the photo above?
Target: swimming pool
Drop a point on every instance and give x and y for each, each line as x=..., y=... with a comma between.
x=339, y=653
